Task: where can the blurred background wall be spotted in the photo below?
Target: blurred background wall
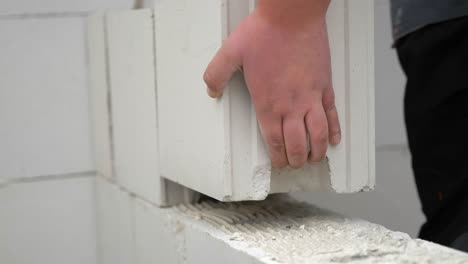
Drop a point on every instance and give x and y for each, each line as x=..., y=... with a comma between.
x=47, y=209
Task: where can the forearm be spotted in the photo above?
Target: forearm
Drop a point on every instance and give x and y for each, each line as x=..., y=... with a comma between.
x=293, y=12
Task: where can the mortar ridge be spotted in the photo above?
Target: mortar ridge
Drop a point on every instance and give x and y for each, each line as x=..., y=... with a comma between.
x=287, y=231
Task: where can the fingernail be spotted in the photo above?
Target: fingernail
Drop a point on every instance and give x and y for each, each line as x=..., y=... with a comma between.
x=313, y=162
x=295, y=164
x=211, y=93
x=335, y=140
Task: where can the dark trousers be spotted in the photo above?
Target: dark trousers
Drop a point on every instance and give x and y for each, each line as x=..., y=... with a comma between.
x=435, y=60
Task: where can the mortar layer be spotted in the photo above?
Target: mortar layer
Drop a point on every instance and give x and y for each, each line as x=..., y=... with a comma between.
x=281, y=230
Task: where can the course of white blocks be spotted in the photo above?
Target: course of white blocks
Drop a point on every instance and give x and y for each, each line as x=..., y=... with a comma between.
x=278, y=230
x=154, y=122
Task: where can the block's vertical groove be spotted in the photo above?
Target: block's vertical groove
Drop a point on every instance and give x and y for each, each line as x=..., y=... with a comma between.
x=249, y=179
x=239, y=106
x=371, y=68
x=229, y=183
x=109, y=96
x=90, y=106
x=228, y=180
x=348, y=133
x=98, y=94
x=360, y=54
x=162, y=192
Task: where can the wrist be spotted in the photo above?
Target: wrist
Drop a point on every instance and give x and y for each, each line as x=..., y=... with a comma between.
x=293, y=12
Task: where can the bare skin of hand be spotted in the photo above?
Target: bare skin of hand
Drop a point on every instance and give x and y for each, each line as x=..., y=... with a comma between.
x=283, y=50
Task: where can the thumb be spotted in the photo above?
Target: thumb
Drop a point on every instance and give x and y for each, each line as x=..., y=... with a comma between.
x=221, y=68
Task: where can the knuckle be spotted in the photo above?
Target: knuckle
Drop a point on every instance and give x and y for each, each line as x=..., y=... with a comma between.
x=274, y=107
x=320, y=136
x=336, y=130
x=298, y=165
x=320, y=85
x=294, y=96
x=297, y=151
x=279, y=165
x=329, y=107
x=318, y=149
x=276, y=143
x=280, y=108
x=329, y=103
x=317, y=156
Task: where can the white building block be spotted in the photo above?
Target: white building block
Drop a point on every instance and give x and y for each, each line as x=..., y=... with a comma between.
x=115, y=221
x=274, y=231
x=196, y=244
x=133, y=93
x=150, y=230
x=121, y=50
x=43, y=98
x=48, y=222
x=100, y=96
x=24, y=7
x=215, y=147
x=193, y=150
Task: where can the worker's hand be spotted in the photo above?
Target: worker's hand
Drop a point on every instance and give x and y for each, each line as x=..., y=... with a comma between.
x=286, y=63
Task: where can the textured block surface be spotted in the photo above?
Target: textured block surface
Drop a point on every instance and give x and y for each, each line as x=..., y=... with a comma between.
x=278, y=230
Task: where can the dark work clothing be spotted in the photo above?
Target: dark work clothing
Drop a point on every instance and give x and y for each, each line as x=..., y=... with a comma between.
x=435, y=60
x=410, y=15
x=461, y=243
